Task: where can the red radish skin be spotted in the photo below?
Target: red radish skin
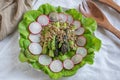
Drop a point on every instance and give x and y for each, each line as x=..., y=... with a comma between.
x=41, y=22
x=35, y=48
x=64, y=65
x=79, y=31
x=54, y=65
x=81, y=53
x=83, y=43
x=62, y=19
x=77, y=24
x=37, y=28
x=37, y=36
x=70, y=19
x=45, y=57
x=75, y=57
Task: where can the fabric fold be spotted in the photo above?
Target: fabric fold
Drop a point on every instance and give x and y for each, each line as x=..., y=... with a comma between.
x=11, y=12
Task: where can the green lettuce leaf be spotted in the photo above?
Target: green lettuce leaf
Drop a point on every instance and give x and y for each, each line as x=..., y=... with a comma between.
x=46, y=9
x=32, y=15
x=75, y=14
x=22, y=57
x=21, y=42
x=59, y=9
x=93, y=43
x=31, y=57
x=89, y=24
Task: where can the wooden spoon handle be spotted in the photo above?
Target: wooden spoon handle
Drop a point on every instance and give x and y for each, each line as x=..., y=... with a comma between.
x=112, y=29
x=112, y=4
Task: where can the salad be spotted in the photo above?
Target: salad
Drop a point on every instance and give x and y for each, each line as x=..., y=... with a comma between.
x=57, y=42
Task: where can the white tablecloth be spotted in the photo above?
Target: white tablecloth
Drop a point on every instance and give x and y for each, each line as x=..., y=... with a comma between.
x=106, y=62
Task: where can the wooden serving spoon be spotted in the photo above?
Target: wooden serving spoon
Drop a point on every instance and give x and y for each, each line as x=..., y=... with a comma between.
x=111, y=3
x=90, y=9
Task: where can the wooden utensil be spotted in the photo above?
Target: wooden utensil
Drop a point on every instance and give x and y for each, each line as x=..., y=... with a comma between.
x=111, y=3
x=90, y=9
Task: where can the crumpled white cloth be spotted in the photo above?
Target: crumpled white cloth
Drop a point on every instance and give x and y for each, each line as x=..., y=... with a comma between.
x=106, y=62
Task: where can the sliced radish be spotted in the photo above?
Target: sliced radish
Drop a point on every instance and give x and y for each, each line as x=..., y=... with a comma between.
x=45, y=59
x=70, y=19
x=79, y=31
x=34, y=38
x=81, y=41
x=82, y=51
x=35, y=48
x=76, y=59
x=68, y=64
x=35, y=28
x=63, y=17
x=56, y=66
x=77, y=24
x=53, y=16
x=43, y=20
